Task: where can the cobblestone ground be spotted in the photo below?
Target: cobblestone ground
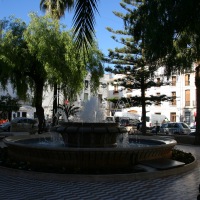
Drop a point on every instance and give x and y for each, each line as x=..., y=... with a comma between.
x=13, y=186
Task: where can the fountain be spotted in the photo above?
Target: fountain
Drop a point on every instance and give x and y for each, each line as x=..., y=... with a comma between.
x=87, y=147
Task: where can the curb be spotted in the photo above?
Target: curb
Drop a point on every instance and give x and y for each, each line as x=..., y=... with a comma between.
x=98, y=178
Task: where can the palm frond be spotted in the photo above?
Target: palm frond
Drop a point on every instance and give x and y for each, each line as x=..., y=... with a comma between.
x=84, y=21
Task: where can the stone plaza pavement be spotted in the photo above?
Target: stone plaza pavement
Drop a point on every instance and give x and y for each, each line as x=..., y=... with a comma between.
x=19, y=185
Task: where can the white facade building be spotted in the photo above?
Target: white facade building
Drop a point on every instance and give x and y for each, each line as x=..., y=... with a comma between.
x=182, y=88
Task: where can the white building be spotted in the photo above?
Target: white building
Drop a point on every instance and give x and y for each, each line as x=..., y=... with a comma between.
x=182, y=88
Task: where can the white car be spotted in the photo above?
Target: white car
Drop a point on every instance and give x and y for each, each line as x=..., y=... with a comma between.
x=193, y=128
x=171, y=128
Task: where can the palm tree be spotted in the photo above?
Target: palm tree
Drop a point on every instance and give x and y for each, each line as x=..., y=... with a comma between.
x=83, y=20
x=56, y=7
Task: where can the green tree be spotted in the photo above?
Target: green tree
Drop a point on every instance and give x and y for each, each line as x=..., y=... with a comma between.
x=56, y=9
x=171, y=31
x=39, y=54
x=129, y=61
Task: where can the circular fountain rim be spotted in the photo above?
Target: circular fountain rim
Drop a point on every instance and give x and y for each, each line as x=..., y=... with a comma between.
x=100, y=177
x=14, y=140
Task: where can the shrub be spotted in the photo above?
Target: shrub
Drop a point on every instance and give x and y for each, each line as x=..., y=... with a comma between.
x=181, y=156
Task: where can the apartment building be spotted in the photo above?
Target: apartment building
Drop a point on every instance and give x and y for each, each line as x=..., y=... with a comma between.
x=180, y=86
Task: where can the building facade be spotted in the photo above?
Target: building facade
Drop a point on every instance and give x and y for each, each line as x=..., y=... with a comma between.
x=182, y=89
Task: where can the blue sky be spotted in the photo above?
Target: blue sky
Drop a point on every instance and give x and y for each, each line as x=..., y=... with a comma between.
x=106, y=18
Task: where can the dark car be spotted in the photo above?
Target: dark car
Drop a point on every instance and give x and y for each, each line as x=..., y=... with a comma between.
x=124, y=122
x=5, y=127
x=155, y=129
x=24, y=124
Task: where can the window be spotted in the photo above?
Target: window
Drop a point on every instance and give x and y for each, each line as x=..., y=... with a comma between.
x=24, y=114
x=18, y=114
x=173, y=117
x=187, y=79
x=158, y=82
x=176, y=126
x=187, y=97
x=173, y=98
x=14, y=115
x=157, y=113
x=115, y=89
x=86, y=84
x=187, y=117
x=173, y=80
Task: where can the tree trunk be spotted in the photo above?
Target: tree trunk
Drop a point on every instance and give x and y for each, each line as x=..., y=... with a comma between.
x=41, y=118
x=197, y=119
x=144, y=128
x=38, y=105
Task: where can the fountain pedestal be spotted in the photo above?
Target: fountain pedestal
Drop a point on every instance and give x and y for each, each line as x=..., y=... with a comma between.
x=89, y=135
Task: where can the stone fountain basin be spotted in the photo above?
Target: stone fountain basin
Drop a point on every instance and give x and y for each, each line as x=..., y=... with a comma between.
x=23, y=148
x=87, y=134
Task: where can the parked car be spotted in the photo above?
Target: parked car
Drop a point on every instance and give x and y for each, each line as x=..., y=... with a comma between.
x=24, y=124
x=171, y=128
x=193, y=133
x=124, y=122
x=155, y=129
x=193, y=128
x=5, y=127
x=134, y=122
x=110, y=119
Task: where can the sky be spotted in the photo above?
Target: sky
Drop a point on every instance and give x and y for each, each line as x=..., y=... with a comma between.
x=105, y=18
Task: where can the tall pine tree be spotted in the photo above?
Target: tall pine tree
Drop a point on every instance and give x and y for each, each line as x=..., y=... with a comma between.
x=171, y=31
x=129, y=61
